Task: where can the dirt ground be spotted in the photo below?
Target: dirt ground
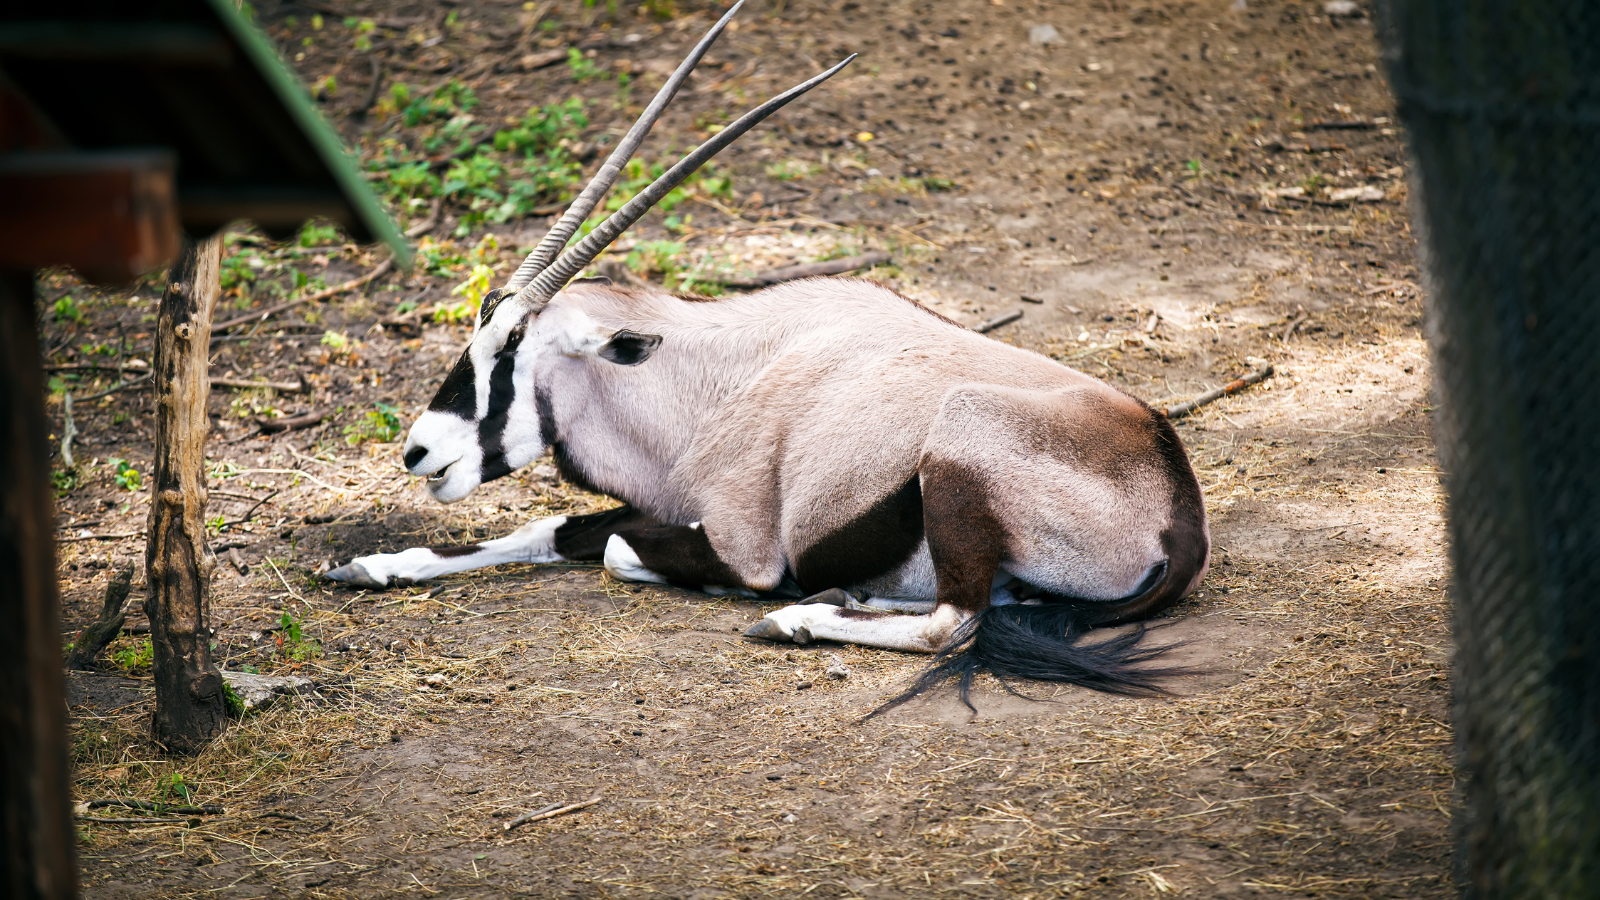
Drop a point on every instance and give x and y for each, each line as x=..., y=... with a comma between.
x=1171, y=193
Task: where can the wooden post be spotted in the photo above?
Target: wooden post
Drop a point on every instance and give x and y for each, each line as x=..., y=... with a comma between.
x=36, y=835
x=190, y=706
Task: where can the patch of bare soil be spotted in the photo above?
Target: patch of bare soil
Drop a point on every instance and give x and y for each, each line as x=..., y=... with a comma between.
x=1173, y=192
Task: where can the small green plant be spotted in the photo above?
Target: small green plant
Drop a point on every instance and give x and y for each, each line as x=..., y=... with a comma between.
x=126, y=476
x=67, y=310
x=471, y=291
x=381, y=424
x=335, y=340
x=292, y=643
x=447, y=101
x=1313, y=182
x=101, y=349
x=65, y=481
x=792, y=169
x=174, y=790
x=136, y=657
x=214, y=525
x=314, y=235
x=653, y=257
x=581, y=68
x=236, y=707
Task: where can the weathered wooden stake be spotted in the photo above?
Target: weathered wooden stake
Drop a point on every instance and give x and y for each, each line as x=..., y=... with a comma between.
x=190, y=706
x=36, y=836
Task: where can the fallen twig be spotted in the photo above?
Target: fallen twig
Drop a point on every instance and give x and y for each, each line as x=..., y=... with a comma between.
x=261, y=314
x=100, y=537
x=998, y=321
x=428, y=224
x=157, y=807
x=372, y=90
x=549, y=813
x=1294, y=324
x=120, y=387
x=246, y=518
x=289, y=423
x=809, y=270
x=69, y=430
x=292, y=387
x=131, y=821
x=1232, y=387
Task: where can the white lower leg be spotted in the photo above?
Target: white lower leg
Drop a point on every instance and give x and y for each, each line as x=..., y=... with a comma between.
x=805, y=622
x=534, y=542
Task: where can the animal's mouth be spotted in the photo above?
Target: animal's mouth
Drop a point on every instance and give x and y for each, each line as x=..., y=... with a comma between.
x=440, y=475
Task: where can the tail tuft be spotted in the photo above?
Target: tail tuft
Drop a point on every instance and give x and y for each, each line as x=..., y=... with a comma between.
x=1041, y=643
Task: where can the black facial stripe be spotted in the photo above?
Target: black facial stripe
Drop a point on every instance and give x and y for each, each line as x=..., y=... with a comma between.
x=459, y=393
x=492, y=430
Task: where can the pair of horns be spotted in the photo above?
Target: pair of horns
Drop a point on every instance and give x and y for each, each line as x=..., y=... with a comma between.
x=544, y=273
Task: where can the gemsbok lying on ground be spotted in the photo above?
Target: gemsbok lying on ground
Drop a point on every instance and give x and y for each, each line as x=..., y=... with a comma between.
x=923, y=487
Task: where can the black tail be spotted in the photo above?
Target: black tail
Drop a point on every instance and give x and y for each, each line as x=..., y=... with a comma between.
x=1041, y=643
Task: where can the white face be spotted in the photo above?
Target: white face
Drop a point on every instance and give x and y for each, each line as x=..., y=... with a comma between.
x=484, y=421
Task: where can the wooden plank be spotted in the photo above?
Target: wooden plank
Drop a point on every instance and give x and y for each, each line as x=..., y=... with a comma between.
x=111, y=216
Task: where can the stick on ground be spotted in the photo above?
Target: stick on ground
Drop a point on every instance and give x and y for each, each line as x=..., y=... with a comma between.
x=337, y=289
x=1232, y=387
x=998, y=321
x=549, y=813
x=809, y=270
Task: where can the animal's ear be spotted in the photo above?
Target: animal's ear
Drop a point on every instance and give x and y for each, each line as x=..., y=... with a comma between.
x=629, y=348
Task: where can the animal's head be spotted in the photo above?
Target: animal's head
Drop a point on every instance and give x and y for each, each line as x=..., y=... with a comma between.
x=483, y=423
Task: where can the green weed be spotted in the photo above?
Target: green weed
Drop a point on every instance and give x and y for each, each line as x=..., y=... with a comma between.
x=381, y=424
x=581, y=68
x=136, y=657
x=126, y=477
x=65, y=481
x=67, y=310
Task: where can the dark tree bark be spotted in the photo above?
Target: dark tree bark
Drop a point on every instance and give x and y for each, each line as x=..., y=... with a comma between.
x=190, y=706
x=1500, y=104
x=36, y=835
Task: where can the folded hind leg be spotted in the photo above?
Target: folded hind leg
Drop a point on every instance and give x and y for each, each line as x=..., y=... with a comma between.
x=551, y=539
x=964, y=540
x=673, y=554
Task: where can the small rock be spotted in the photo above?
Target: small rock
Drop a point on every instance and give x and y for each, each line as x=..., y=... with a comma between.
x=437, y=679
x=1043, y=34
x=837, y=670
x=790, y=819
x=261, y=691
x=1342, y=8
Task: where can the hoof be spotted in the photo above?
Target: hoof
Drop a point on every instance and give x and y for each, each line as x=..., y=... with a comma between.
x=766, y=629
x=355, y=573
x=832, y=597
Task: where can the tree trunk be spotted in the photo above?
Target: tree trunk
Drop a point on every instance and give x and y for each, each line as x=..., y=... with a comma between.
x=1499, y=102
x=190, y=706
x=36, y=835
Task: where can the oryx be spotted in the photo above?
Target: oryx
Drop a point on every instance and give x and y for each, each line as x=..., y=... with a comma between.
x=926, y=488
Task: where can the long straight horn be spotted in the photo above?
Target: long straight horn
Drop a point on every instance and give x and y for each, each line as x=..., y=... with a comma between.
x=562, y=231
x=555, y=277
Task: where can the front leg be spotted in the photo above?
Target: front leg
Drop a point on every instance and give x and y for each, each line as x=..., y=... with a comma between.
x=681, y=555
x=547, y=540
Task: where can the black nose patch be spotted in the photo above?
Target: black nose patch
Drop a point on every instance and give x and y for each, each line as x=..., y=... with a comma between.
x=414, y=456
